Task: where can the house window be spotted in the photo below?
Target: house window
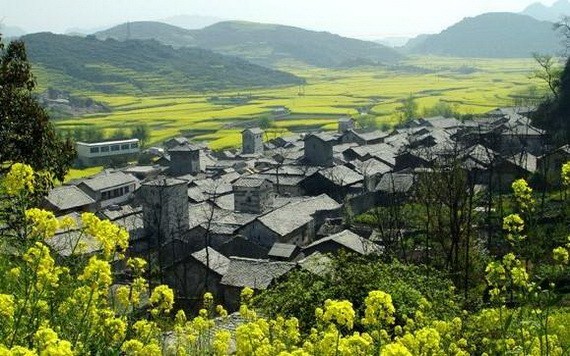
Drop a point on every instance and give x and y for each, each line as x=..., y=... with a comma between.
x=134, y=145
x=115, y=147
x=125, y=146
x=94, y=150
x=105, y=149
x=106, y=195
x=127, y=189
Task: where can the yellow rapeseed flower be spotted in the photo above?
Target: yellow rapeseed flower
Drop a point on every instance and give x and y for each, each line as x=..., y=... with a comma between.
x=44, y=223
x=20, y=178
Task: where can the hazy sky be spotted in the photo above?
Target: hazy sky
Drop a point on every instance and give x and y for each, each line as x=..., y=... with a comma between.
x=356, y=18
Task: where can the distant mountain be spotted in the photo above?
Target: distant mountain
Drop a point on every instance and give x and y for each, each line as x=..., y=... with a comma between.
x=11, y=31
x=86, y=63
x=143, y=30
x=263, y=44
x=192, y=22
x=80, y=31
x=491, y=35
x=393, y=41
x=551, y=13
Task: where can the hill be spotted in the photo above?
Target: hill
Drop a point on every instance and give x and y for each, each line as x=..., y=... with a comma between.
x=191, y=22
x=491, y=35
x=143, y=30
x=86, y=63
x=551, y=13
x=264, y=44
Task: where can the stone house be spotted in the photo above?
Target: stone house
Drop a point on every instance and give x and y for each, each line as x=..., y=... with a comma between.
x=252, y=141
x=68, y=198
x=294, y=223
x=195, y=274
x=184, y=159
x=109, y=188
x=337, y=182
x=165, y=209
x=252, y=195
x=319, y=149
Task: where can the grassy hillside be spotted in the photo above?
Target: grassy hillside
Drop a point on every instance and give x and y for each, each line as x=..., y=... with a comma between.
x=264, y=44
x=491, y=35
x=88, y=64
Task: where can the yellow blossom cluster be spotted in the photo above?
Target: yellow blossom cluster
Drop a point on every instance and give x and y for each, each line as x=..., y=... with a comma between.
x=20, y=178
x=566, y=174
x=523, y=195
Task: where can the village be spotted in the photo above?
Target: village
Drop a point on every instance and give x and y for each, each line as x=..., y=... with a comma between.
x=220, y=221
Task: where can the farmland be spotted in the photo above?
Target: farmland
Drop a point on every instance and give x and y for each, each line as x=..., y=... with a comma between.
x=472, y=86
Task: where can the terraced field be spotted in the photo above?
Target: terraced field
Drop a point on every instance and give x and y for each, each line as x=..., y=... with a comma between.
x=473, y=86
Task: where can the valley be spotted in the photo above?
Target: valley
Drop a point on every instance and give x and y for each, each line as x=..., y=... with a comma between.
x=471, y=86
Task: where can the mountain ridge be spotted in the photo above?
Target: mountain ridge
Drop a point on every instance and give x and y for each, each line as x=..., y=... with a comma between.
x=264, y=44
x=490, y=35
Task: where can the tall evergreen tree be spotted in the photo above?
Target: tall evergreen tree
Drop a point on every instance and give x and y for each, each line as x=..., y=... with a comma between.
x=26, y=133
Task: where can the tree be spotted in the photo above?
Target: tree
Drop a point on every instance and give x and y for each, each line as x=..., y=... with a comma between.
x=552, y=114
x=367, y=122
x=442, y=108
x=27, y=135
x=549, y=71
x=409, y=109
x=141, y=132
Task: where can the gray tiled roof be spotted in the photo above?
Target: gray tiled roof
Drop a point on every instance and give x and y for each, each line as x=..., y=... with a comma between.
x=351, y=241
x=195, y=194
x=106, y=180
x=341, y=175
x=282, y=250
x=218, y=262
x=249, y=182
x=323, y=136
x=68, y=197
x=73, y=242
x=256, y=274
x=187, y=147
x=120, y=211
x=292, y=216
x=165, y=182
x=441, y=122
x=395, y=183
x=372, y=167
x=254, y=130
x=317, y=263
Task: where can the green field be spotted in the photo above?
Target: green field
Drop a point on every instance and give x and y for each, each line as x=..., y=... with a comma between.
x=473, y=86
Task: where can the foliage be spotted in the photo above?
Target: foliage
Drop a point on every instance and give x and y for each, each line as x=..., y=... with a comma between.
x=26, y=132
x=442, y=108
x=350, y=278
x=367, y=122
x=409, y=109
x=552, y=114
